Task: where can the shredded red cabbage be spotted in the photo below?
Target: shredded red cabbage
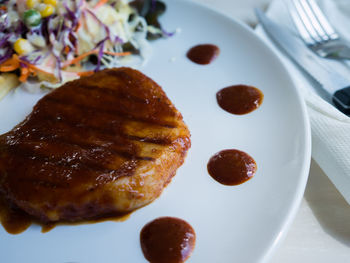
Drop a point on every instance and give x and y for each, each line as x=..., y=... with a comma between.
x=100, y=45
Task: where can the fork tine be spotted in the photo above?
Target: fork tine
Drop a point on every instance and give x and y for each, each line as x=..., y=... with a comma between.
x=303, y=24
x=323, y=20
x=310, y=21
x=304, y=33
x=316, y=31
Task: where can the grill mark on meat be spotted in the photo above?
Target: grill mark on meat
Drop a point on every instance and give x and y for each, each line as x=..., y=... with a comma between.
x=160, y=141
x=116, y=112
x=64, y=175
x=110, y=131
x=85, y=146
x=118, y=94
x=51, y=136
x=16, y=146
x=32, y=155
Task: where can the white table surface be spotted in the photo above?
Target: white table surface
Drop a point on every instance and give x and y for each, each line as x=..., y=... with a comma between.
x=321, y=229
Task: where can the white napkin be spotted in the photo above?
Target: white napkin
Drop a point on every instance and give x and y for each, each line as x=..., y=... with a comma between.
x=330, y=128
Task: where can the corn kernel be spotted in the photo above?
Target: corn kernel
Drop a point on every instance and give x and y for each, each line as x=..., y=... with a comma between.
x=51, y=2
x=22, y=46
x=46, y=10
x=32, y=3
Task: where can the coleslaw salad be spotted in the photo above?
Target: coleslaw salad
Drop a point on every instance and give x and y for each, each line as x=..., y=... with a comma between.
x=49, y=42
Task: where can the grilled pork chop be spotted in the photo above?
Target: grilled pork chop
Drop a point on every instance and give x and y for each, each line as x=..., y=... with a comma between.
x=98, y=146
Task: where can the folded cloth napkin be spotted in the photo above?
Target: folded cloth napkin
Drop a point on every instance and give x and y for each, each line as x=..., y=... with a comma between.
x=330, y=128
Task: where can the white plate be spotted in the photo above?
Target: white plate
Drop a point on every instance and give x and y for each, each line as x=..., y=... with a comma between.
x=233, y=224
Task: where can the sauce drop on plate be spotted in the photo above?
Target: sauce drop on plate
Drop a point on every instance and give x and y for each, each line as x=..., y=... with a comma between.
x=231, y=167
x=239, y=99
x=167, y=240
x=203, y=54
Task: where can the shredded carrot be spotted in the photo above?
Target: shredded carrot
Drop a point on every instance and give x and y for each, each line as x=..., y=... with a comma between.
x=100, y=3
x=78, y=26
x=117, y=53
x=84, y=55
x=83, y=19
x=30, y=70
x=67, y=49
x=39, y=70
x=85, y=73
x=26, y=71
x=85, y=26
x=24, y=74
x=3, y=8
x=79, y=58
x=10, y=65
x=8, y=68
x=34, y=73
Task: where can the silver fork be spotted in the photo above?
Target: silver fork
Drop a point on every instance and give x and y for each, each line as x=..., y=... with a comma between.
x=316, y=31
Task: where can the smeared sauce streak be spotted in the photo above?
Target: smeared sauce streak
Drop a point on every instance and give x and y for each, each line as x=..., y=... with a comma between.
x=167, y=240
x=15, y=221
x=203, y=54
x=239, y=99
x=231, y=167
x=114, y=218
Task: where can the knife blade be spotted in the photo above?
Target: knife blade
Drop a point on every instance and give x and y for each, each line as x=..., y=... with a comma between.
x=334, y=84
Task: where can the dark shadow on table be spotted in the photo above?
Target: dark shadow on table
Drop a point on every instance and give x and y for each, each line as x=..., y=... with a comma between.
x=328, y=205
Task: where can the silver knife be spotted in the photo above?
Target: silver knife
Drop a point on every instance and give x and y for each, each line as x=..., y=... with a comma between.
x=335, y=85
